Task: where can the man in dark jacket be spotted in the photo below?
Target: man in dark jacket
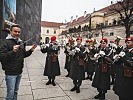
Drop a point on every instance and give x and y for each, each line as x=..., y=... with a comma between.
x=126, y=84
x=102, y=76
x=52, y=67
x=12, y=54
x=77, y=72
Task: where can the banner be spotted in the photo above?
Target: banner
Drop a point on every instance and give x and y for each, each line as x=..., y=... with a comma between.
x=9, y=12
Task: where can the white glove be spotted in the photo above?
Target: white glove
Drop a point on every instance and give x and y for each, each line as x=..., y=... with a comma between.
x=77, y=49
x=96, y=55
x=114, y=45
x=102, y=53
x=72, y=53
x=116, y=56
x=121, y=54
x=47, y=45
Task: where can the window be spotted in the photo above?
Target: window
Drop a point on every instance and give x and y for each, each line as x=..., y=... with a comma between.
x=111, y=33
x=47, y=31
x=54, y=31
x=106, y=23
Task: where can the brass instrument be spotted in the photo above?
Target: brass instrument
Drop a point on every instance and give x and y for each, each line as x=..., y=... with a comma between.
x=69, y=52
x=89, y=48
x=70, y=46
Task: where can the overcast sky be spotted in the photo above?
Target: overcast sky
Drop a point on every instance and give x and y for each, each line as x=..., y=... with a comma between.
x=61, y=10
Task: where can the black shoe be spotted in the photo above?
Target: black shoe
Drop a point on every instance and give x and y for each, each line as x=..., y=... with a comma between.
x=74, y=88
x=78, y=90
x=97, y=96
x=53, y=83
x=102, y=97
x=49, y=82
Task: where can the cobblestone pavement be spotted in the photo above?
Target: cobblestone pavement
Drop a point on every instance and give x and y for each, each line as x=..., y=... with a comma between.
x=33, y=82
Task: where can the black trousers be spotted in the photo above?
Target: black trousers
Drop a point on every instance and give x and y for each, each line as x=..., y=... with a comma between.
x=120, y=98
x=77, y=82
x=51, y=78
x=102, y=91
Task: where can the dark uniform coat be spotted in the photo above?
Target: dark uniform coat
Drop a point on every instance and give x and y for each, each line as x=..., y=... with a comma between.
x=126, y=88
x=68, y=59
x=51, y=68
x=114, y=69
x=90, y=64
x=119, y=76
x=77, y=72
x=102, y=79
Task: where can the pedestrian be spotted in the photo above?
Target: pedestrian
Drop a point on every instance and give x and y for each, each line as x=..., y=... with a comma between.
x=90, y=63
x=117, y=48
x=77, y=72
x=101, y=79
x=126, y=84
x=12, y=54
x=52, y=68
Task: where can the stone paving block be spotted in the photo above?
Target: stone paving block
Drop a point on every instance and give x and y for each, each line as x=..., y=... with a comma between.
x=34, y=64
x=2, y=98
x=25, y=97
x=1, y=72
x=38, y=78
x=25, y=90
x=84, y=94
x=3, y=85
x=48, y=93
x=62, y=79
x=25, y=71
x=25, y=82
x=66, y=86
x=2, y=92
x=111, y=96
x=25, y=76
x=1, y=80
x=58, y=98
x=39, y=84
x=35, y=72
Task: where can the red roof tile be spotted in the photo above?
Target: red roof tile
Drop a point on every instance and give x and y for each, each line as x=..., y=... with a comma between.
x=79, y=20
x=50, y=24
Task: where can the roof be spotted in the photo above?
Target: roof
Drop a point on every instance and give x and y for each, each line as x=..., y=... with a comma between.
x=51, y=24
x=117, y=6
x=79, y=20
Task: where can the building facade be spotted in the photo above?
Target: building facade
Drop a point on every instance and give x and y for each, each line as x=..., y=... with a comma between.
x=49, y=29
x=98, y=24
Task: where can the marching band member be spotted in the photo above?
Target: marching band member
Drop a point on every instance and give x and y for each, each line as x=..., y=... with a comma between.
x=77, y=73
x=117, y=48
x=52, y=68
x=69, y=46
x=90, y=63
x=102, y=76
x=125, y=77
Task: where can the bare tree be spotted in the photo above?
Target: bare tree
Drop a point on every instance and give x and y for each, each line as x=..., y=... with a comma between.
x=125, y=9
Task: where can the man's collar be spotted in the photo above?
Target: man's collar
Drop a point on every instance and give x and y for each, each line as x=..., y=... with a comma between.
x=10, y=37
